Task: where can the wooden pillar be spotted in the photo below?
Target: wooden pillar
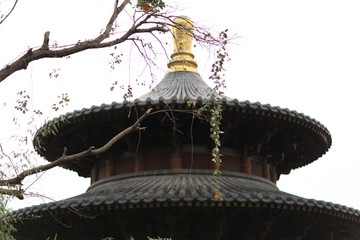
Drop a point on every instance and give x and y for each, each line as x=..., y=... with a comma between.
x=94, y=172
x=246, y=162
x=267, y=174
x=139, y=164
x=273, y=174
x=175, y=159
x=109, y=168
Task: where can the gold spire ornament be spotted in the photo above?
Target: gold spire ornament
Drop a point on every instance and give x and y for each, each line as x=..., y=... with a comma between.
x=182, y=59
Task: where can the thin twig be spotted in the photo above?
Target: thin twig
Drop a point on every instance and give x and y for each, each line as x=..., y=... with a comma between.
x=12, y=9
x=92, y=151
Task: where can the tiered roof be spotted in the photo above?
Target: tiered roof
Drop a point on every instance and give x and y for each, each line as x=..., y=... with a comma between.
x=181, y=202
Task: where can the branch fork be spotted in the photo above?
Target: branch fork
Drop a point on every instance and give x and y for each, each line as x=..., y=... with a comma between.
x=92, y=151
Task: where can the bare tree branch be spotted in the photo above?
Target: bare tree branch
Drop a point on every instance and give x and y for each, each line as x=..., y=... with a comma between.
x=44, y=52
x=46, y=40
x=7, y=15
x=147, y=22
x=92, y=151
x=13, y=192
x=113, y=17
x=142, y=24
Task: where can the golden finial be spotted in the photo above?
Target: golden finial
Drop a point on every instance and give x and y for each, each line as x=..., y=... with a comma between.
x=182, y=59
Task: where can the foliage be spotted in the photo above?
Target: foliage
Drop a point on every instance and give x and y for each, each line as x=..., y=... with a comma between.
x=149, y=10
x=18, y=153
x=55, y=238
x=217, y=70
x=62, y=102
x=215, y=122
x=115, y=59
x=214, y=107
x=6, y=226
x=150, y=5
x=49, y=128
x=22, y=103
x=55, y=73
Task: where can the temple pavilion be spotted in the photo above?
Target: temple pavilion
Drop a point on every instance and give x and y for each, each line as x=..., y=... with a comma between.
x=160, y=182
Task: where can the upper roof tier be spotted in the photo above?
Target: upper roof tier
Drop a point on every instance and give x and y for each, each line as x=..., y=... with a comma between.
x=285, y=138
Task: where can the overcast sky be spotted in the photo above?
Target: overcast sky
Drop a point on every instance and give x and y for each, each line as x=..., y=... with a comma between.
x=302, y=55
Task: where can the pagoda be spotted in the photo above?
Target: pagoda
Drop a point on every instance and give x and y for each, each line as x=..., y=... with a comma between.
x=160, y=182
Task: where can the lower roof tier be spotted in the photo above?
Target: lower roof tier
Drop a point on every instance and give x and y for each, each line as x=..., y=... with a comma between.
x=181, y=204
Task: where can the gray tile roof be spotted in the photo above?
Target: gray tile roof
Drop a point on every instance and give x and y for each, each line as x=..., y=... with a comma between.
x=180, y=85
x=175, y=90
x=185, y=188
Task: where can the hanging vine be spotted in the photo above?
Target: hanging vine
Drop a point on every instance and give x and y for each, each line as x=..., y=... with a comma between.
x=214, y=108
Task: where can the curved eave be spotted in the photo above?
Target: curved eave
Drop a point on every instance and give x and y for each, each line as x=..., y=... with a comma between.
x=255, y=110
x=184, y=189
x=175, y=91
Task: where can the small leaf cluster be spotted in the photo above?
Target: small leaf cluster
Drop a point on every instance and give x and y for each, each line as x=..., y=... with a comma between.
x=217, y=68
x=115, y=59
x=63, y=101
x=215, y=122
x=6, y=224
x=150, y=5
x=55, y=73
x=55, y=238
x=22, y=104
x=50, y=128
x=129, y=93
x=129, y=90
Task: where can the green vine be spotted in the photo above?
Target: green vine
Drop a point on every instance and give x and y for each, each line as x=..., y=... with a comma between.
x=214, y=107
x=215, y=122
x=6, y=224
x=215, y=110
x=217, y=69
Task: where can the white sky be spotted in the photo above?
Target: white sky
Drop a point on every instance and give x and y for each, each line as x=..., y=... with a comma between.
x=302, y=55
